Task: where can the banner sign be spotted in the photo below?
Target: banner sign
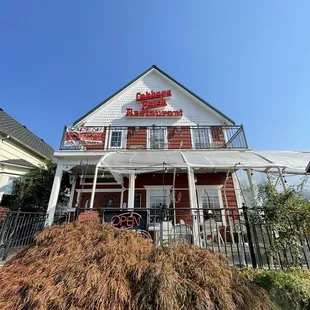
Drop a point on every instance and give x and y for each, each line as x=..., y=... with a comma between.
x=82, y=136
x=122, y=219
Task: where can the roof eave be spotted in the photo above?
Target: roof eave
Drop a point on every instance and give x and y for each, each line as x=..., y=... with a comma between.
x=25, y=145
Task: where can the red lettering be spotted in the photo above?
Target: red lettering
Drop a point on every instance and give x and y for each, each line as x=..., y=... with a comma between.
x=170, y=113
x=137, y=221
x=136, y=113
x=144, y=105
x=128, y=112
x=129, y=222
x=152, y=95
x=181, y=112
x=123, y=219
x=152, y=113
x=115, y=220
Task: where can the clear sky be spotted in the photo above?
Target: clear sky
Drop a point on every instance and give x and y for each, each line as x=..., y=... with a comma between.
x=249, y=59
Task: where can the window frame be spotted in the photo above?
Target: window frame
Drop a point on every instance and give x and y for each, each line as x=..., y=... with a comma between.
x=110, y=131
x=200, y=191
x=148, y=137
x=14, y=177
x=149, y=188
x=197, y=127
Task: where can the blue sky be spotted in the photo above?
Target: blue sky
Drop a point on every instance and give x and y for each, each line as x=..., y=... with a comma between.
x=249, y=59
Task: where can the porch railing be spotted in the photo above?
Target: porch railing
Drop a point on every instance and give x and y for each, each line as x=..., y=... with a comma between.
x=153, y=138
x=17, y=229
x=233, y=232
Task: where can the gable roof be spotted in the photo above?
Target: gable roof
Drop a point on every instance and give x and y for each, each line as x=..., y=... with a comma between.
x=167, y=76
x=20, y=133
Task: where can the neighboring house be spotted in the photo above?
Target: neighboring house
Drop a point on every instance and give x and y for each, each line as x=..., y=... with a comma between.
x=20, y=151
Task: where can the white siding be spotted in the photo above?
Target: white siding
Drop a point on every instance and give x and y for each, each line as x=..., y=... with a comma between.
x=113, y=112
x=8, y=150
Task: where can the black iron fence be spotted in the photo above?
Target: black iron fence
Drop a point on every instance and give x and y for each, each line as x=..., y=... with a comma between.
x=17, y=229
x=153, y=137
x=234, y=232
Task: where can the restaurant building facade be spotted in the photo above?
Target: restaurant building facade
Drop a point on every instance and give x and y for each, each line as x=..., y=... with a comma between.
x=154, y=144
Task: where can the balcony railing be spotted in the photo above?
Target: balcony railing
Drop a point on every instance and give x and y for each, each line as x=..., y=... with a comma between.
x=153, y=138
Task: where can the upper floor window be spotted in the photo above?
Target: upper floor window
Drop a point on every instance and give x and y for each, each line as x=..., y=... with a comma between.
x=201, y=137
x=116, y=138
x=157, y=137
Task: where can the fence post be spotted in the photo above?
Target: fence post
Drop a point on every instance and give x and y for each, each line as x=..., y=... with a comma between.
x=161, y=228
x=248, y=229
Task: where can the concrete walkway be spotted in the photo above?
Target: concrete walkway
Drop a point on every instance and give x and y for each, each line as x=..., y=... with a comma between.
x=2, y=263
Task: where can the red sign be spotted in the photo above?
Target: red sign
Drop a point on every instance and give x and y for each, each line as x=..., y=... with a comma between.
x=79, y=136
x=147, y=113
x=150, y=101
x=153, y=94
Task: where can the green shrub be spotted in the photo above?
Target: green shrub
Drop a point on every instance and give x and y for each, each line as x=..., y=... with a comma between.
x=287, y=289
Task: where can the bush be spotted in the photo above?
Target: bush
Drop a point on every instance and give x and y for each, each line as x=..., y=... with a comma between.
x=93, y=266
x=287, y=289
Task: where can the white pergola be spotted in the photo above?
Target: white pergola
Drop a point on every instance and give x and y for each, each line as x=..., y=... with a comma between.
x=130, y=163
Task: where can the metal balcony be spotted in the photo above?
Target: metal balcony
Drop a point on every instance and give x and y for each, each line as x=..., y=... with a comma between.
x=153, y=138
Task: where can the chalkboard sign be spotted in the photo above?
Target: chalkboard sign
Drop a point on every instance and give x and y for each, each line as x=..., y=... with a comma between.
x=126, y=219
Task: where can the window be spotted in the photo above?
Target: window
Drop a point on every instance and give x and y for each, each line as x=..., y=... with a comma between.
x=8, y=188
x=157, y=137
x=116, y=138
x=210, y=201
x=201, y=138
x=137, y=202
x=157, y=198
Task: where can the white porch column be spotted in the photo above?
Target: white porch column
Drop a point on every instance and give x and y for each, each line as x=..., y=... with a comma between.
x=54, y=195
x=131, y=191
x=92, y=198
x=193, y=205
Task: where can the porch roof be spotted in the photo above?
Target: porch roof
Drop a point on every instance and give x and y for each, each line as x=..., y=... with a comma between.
x=139, y=162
